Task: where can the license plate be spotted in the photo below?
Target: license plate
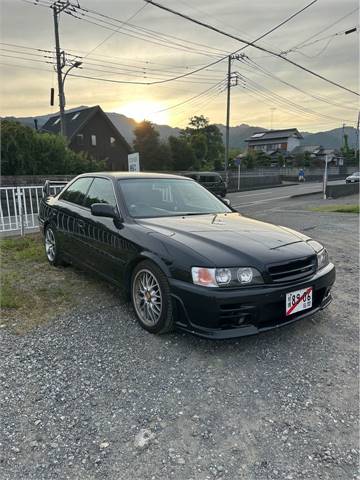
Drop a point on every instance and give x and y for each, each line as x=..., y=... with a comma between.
x=299, y=300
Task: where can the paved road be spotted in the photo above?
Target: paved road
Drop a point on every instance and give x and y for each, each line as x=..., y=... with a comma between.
x=258, y=197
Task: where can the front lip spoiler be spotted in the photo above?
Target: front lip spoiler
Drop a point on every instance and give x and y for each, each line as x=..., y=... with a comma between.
x=248, y=330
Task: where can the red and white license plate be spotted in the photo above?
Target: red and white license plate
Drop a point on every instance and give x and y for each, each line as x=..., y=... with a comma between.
x=299, y=300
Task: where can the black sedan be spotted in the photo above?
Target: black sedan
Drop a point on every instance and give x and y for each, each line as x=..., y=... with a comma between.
x=186, y=258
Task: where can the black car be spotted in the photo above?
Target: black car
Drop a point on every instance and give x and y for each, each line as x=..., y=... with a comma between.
x=185, y=257
x=211, y=181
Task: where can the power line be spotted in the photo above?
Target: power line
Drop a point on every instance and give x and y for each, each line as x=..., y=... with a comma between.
x=145, y=38
x=252, y=44
x=109, y=80
x=189, y=99
x=113, y=33
x=252, y=64
x=279, y=98
x=319, y=32
x=143, y=68
x=203, y=67
x=148, y=35
x=149, y=31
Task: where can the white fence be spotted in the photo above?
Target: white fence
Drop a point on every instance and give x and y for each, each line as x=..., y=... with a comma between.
x=19, y=207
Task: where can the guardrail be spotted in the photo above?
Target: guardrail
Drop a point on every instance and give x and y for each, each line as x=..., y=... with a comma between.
x=19, y=207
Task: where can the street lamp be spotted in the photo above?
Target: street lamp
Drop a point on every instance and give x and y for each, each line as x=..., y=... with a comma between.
x=76, y=64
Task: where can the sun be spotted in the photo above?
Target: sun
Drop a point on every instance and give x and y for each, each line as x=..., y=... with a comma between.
x=145, y=110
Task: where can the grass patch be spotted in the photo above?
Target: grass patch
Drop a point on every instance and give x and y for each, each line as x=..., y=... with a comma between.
x=23, y=248
x=33, y=292
x=8, y=298
x=337, y=208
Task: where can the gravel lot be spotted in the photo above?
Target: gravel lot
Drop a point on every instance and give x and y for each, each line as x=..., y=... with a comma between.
x=93, y=396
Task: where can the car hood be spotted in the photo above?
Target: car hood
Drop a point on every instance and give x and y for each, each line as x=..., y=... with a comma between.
x=231, y=239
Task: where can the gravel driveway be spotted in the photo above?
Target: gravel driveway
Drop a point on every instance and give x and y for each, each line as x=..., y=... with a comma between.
x=93, y=396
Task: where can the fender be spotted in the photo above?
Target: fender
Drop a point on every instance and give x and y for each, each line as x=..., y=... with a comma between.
x=144, y=255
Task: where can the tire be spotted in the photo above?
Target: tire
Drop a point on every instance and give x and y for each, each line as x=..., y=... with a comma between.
x=52, y=250
x=151, y=299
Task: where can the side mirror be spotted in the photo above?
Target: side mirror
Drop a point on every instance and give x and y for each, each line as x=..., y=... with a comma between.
x=226, y=201
x=103, y=210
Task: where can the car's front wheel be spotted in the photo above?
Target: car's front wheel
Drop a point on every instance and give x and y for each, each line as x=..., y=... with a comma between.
x=52, y=249
x=150, y=296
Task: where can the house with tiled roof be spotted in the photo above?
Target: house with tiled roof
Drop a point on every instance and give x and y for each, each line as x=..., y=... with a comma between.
x=270, y=141
x=90, y=130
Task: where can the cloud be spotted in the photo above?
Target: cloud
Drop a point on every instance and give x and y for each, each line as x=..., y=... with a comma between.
x=25, y=86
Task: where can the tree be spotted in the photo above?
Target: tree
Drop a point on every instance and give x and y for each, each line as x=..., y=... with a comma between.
x=182, y=153
x=199, y=146
x=154, y=155
x=348, y=152
x=25, y=151
x=206, y=141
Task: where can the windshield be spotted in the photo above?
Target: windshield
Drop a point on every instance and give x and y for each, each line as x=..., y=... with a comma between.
x=164, y=197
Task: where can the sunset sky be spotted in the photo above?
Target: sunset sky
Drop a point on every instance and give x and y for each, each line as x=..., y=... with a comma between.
x=155, y=45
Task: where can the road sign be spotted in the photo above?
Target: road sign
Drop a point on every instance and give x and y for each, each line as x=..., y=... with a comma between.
x=134, y=162
x=237, y=161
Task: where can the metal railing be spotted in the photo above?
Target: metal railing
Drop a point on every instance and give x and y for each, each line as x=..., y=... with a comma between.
x=19, y=207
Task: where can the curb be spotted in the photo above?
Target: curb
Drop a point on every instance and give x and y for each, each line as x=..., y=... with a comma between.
x=305, y=194
x=264, y=187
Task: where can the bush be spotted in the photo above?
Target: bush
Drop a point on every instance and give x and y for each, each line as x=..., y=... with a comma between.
x=25, y=151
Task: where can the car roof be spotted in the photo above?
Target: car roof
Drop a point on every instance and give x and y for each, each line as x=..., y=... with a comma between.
x=127, y=175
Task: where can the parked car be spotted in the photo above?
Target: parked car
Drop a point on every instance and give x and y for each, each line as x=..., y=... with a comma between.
x=211, y=181
x=353, y=178
x=186, y=259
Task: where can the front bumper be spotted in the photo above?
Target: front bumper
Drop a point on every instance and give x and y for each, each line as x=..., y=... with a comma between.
x=221, y=313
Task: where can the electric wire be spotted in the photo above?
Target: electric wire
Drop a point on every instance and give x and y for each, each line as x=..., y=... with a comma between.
x=252, y=64
x=252, y=44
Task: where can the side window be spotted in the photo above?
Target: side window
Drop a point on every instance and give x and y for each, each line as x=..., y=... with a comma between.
x=80, y=139
x=101, y=191
x=204, y=179
x=77, y=191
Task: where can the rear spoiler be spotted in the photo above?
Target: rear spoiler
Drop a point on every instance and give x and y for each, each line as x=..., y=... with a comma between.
x=46, y=191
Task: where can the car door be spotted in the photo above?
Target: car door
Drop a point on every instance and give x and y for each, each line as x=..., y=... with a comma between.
x=103, y=235
x=70, y=223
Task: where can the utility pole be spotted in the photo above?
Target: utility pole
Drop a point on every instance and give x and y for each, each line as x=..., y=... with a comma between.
x=228, y=104
x=357, y=146
x=57, y=9
x=227, y=121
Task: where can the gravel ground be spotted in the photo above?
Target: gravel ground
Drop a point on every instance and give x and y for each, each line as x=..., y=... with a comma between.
x=93, y=396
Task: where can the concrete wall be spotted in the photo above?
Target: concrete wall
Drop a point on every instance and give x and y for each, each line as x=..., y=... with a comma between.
x=336, y=191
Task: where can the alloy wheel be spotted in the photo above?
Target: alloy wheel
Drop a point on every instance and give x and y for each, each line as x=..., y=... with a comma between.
x=147, y=297
x=50, y=245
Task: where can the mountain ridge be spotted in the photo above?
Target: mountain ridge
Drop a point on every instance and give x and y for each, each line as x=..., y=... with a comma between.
x=237, y=134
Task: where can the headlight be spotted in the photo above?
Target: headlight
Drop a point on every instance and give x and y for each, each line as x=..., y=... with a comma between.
x=321, y=253
x=322, y=259
x=226, y=277
x=317, y=247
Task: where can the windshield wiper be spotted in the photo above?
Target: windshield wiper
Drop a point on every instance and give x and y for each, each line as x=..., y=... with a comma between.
x=188, y=214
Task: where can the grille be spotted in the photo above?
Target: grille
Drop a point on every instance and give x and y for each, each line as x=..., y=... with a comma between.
x=293, y=270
